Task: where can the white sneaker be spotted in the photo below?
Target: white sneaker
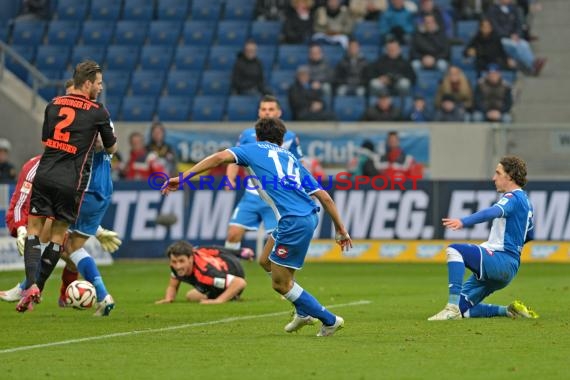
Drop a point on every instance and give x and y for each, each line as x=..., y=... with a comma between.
x=329, y=330
x=450, y=311
x=298, y=323
x=104, y=307
x=11, y=295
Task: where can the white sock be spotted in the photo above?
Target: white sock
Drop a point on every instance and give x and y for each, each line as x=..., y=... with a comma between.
x=231, y=245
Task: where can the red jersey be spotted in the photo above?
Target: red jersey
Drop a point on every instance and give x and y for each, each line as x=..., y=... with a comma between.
x=17, y=214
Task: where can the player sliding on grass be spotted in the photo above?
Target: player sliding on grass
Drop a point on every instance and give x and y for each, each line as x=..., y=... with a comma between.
x=496, y=262
x=295, y=211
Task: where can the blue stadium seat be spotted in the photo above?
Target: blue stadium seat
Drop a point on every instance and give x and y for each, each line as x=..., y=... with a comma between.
x=83, y=52
x=182, y=82
x=116, y=82
x=52, y=57
x=370, y=52
x=28, y=32
x=138, y=108
x=471, y=75
x=239, y=10
x=404, y=104
x=289, y=57
x=466, y=29
x=131, y=32
x=510, y=76
x=281, y=80
x=172, y=9
x=198, y=32
x=156, y=57
x=105, y=10
x=457, y=58
x=174, y=108
x=405, y=51
x=206, y=9
x=367, y=33
x=191, y=57
x=215, y=82
x=28, y=52
x=349, y=108
x=3, y=32
x=164, y=32
x=242, y=108
x=266, y=32
x=223, y=57
x=427, y=82
x=147, y=82
x=122, y=57
x=10, y=9
x=71, y=10
x=63, y=32
x=48, y=92
x=232, y=33
x=333, y=54
x=142, y=10
x=208, y=108
x=266, y=54
x=113, y=105
x=98, y=32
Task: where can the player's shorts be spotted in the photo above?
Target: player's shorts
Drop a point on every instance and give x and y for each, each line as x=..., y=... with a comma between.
x=91, y=213
x=251, y=211
x=234, y=268
x=58, y=202
x=292, y=239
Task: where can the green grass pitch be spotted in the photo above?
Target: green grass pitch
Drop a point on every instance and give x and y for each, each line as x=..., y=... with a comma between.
x=387, y=338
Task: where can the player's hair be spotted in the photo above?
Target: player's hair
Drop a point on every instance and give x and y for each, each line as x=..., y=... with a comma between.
x=68, y=83
x=85, y=71
x=271, y=130
x=270, y=99
x=180, y=248
x=515, y=167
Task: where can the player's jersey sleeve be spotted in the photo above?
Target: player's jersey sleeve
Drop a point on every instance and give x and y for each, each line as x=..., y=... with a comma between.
x=106, y=128
x=296, y=148
x=241, y=154
x=308, y=182
x=507, y=203
x=17, y=214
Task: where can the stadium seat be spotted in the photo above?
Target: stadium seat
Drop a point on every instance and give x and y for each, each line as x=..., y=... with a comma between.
x=206, y=10
x=172, y=9
x=286, y=114
x=3, y=32
x=28, y=32
x=289, y=57
x=28, y=52
x=164, y=32
x=147, y=82
x=142, y=10
x=266, y=32
x=182, y=82
x=63, y=32
x=105, y=10
x=405, y=49
x=242, y=108
x=427, y=82
x=457, y=58
x=215, y=82
x=71, y=10
x=266, y=54
x=222, y=57
x=116, y=82
x=10, y=9
x=131, y=32
x=156, y=57
x=349, y=108
x=122, y=57
x=198, y=32
x=239, y=10
x=466, y=29
x=333, y=54
x=83, y=52
x=370, y=52
x=208, y=108
x=404, y=104
x=98, y=32
x=52, y=57
x=509, y=75
x=138, y=108
x=471, y=75
x=113, y=105
x=367, y=33
x=232, y=33
x=191, y=57
x=281, y=80
x=174, y=108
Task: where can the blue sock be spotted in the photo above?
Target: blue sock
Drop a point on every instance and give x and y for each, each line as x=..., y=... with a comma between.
x=303, y=300
x=88, y=269
x=484, y=310
x=455, y=271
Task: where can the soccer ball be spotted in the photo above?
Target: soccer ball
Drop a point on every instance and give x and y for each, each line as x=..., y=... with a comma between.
x=80, y=295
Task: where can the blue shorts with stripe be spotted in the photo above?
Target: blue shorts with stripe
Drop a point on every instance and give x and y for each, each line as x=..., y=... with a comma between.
x=292, y=239
x=91, y=213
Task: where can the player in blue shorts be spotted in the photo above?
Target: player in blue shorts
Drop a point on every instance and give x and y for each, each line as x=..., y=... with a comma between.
x=283, y=188
x=494, y=263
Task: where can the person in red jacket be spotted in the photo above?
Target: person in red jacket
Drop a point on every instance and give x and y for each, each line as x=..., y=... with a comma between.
x=141, y=162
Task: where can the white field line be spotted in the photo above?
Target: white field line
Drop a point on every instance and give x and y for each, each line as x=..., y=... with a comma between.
x=162, y=329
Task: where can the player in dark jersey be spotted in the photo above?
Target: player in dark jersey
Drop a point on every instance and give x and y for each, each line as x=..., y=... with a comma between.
x=71, y=125
x=215, y=273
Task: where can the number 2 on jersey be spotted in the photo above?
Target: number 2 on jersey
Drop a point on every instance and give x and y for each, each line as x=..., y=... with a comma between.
x=68, y=114
x=292, y=172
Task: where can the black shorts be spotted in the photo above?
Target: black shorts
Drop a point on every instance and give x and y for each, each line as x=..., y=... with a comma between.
x=57, y=202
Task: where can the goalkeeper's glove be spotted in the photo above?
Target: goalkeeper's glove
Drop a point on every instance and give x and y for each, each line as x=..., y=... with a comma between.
x=108, y=239
x=21, y=239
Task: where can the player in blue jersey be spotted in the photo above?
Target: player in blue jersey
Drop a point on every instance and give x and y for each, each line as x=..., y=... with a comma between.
x=282, y=183
x=494, y=263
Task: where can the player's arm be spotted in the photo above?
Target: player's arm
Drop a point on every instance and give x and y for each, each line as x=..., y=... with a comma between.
x=231, y=173
x=235, y=286
x=342, y=238
x=484, y=215
x=107, y=132
x=171, y=291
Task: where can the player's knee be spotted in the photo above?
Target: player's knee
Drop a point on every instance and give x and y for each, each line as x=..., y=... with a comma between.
x=280, y=287
x=453, y=255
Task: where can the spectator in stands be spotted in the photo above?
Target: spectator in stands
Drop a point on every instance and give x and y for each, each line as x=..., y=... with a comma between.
x=383, y=110
x=493, y=98
x=470, y=9
x=270, y=10
x=319, y=69
x=395, y=161
x=141, y=163
x=456, y=85
x=350, y=71
x=303, y=92
x=298, y=25
x=369, y=10
x=7, y=169
x=507, y=22
x=449, y=110
x=487, y=48
x=391, y=71
x=420, y=112
x=430, y=48
x=366, y=162
x=443, y=19
x=397, y=21
x=317, y=111
x=313, y=165
x=35, y=10
x=166, y=155
x=247, y=74
x=333, y=23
